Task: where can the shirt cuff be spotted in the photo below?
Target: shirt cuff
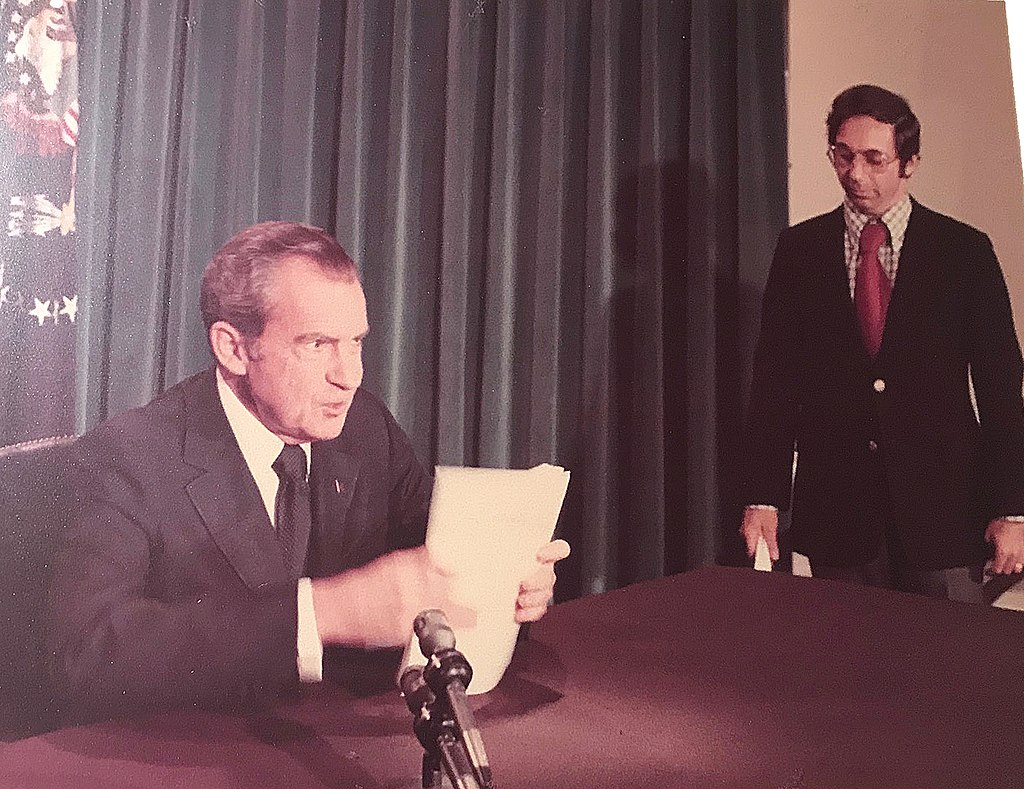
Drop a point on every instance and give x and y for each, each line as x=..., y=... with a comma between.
x=771, y=507
x=310, y=650
x=1012, y=518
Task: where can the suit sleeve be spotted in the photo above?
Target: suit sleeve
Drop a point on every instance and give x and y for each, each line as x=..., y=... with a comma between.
x=409, y=493
x=119, y=643
x=767, y=462
x=996, y=374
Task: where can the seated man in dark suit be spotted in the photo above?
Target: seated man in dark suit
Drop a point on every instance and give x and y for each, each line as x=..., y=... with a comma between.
x=204, y=566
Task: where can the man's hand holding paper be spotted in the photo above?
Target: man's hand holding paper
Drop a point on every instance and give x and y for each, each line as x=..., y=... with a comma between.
x=484, y=529
x=537, y=589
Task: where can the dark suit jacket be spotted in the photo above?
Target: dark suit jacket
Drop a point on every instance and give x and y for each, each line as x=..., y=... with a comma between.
x=171, y=589
x=892, y=442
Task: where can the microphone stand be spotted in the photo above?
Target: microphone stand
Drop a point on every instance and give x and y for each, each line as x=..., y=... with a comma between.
x=435, y=727
x=449, y=753
x=447, y=674
x=436, y=695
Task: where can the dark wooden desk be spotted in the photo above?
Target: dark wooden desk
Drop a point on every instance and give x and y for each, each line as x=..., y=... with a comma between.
x=719, y=677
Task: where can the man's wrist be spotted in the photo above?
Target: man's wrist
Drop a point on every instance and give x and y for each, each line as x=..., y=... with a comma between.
x=328, y=596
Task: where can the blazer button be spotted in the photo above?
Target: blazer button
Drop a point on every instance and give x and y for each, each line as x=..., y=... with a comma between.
x=879, y=385
x=872, y=445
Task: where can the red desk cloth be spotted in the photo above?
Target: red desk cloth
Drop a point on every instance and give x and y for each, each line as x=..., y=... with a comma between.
x=719, y=677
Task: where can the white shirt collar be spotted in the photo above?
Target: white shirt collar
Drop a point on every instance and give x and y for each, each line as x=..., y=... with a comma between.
x=260, y=447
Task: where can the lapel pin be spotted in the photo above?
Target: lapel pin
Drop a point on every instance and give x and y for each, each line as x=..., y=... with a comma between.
x=338, y=487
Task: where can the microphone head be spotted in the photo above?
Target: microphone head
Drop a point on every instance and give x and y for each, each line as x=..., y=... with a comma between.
x=432, y=630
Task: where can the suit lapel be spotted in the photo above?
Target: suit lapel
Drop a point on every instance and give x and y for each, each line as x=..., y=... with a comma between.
x=836, y=283
x=912, y=278
x=225, y=493
x=333, y=477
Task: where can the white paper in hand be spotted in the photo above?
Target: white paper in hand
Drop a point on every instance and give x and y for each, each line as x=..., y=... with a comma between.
x=485, y=528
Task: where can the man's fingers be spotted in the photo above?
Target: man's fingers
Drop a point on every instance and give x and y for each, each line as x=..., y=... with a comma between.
x=1004, y=564
x=530, y=614
x=750, y=538
x=459, y=616
x=542, y=579
x=554, y=551
x=533, y=598
x=773, y=545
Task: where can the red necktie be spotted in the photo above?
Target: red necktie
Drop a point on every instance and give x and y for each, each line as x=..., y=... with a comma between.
x=871, y=292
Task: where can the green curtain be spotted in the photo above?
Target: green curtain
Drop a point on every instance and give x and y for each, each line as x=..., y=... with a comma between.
x=562, y=213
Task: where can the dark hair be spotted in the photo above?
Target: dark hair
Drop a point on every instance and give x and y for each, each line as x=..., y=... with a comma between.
x=885, y=107
x=236, y=283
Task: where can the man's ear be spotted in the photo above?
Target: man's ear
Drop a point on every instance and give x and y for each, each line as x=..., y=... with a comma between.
x=910, y=166
x=229, y=348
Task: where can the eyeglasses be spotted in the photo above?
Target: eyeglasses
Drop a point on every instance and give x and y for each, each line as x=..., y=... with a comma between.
x=842, y=158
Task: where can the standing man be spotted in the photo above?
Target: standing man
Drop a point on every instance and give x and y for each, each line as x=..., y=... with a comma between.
x=878, y=319
x=255, y=513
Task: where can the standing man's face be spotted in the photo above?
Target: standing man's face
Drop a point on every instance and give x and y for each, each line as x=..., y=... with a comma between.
x=300, y=375
x=872, y=188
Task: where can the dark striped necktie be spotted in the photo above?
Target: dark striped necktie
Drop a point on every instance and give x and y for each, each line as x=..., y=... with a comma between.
x=292, y=517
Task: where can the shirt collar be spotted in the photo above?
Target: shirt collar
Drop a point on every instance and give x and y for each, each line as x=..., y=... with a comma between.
x=260, y=447
x=895, y=219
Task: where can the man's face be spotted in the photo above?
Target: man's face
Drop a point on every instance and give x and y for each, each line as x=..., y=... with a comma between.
x=303, y=370
x=872, y=189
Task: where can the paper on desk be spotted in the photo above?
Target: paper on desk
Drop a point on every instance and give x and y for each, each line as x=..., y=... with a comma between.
x=485, y=528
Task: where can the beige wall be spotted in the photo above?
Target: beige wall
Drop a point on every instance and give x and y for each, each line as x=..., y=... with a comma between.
x=950, y=59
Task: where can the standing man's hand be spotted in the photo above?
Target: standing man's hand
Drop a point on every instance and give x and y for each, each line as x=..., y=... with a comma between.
x=761, y=522
x=1007, y=537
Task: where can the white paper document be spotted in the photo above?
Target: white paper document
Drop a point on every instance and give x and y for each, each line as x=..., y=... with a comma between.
x=485, y=528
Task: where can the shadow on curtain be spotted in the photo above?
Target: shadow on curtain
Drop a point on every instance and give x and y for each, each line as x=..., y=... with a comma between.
x=563, y=214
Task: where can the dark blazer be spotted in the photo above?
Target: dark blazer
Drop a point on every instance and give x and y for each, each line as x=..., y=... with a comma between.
x=171, y=588
x=892, y=442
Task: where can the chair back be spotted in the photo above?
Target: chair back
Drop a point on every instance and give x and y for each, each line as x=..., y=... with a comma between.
x=35, y=498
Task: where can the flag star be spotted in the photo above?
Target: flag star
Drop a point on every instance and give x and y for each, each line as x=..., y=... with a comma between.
x=9, y=57
x=24, y=78
x=70, y=307
x=3, y=294
x=15, y=17
x=41, y=311
x=12, y=36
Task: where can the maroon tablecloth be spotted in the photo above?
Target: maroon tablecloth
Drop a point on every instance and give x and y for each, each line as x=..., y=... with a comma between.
x=719, y=677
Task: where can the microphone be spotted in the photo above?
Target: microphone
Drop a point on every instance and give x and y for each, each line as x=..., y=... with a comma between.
x=419, y=698
x=434, y=633
x=448, y=674
x=415, y=689
x=435, y=734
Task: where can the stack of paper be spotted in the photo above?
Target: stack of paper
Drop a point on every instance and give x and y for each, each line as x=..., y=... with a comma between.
x=485, y=528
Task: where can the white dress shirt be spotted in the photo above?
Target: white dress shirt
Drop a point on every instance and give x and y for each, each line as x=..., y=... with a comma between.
x=260, y=449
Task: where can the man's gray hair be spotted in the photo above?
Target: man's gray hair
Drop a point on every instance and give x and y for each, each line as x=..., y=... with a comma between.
x=236, y=283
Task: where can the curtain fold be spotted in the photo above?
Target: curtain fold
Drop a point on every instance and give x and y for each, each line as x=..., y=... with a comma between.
x=544, y=199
